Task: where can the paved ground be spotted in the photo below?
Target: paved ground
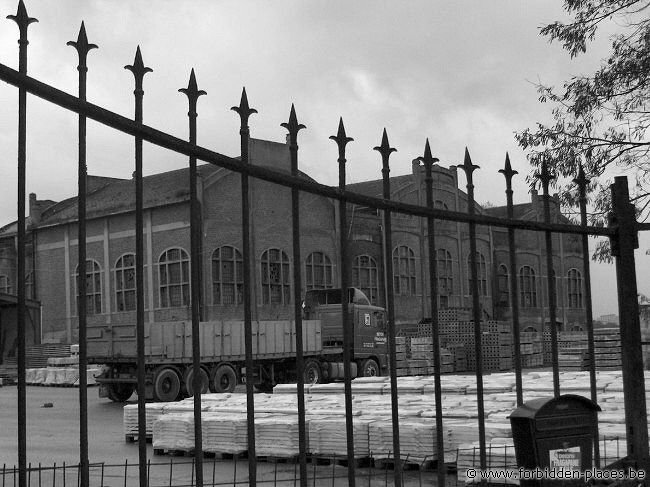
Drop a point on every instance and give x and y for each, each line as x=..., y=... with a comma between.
x=53, y=437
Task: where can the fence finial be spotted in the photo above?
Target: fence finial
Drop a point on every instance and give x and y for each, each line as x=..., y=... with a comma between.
x=427, y=159
x=385, y=150
x=545, y=176
x=192, y=92
x=21, y=18
x=138, y=68
x=508, y=172
x=244, y=110
x=469, y=168
x=82, y=46
x=293, y=126
x=341, y=140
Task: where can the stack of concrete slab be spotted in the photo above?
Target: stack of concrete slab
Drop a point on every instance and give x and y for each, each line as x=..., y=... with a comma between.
x=174, y=431
x=327, y=436
x=224, y=433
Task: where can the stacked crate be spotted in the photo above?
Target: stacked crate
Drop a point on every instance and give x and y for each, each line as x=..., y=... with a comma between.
x=573, y=351
x=401, y=355
x=531, y=349
x=607, y=348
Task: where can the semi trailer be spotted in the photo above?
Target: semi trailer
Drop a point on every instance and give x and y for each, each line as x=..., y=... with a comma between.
x=168, y=350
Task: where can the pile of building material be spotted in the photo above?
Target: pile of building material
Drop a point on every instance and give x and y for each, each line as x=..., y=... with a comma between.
x=60, y=376
x=276, y=420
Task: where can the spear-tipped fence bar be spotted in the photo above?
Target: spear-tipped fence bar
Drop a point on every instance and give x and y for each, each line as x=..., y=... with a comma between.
x=621, y=231
x=245, y=111
x=139, y=70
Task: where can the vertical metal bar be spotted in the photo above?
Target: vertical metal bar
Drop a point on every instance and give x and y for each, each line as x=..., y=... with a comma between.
x=192, y=92
x=508, y=172
x=139, y=70
x=245, y=112
x=428, y=160
x=126, y=468
x=582, y=182
x=469, y=169
x=342, y=140
x=545, y=177
x=22, y=20
x=82, y=46
x=293, y=127
x=385, y=150
x=623, y=245
x=171, y=470
x=148, y=472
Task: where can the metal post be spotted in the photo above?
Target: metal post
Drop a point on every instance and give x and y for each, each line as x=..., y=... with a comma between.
x=139, y=70
x=508, y=173
x=469, y=169
x=342, y=140
x=244, y=112
x=22, y=20
x=623, y=245
x=293, y=127
x=385, y=150
x=428, y=160
x=192, y=92
x=582, y=182
x=545, y=177
x=82, y=46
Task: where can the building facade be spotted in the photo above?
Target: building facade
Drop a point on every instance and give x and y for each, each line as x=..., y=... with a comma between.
x=52, y=268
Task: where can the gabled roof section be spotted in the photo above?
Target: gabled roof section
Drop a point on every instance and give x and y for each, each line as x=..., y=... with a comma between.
x=118, y=195
x=376, y=189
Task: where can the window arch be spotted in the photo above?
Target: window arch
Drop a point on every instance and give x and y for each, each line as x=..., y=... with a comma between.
x=125, y=283
x=574, y=281
x=93, y=291
x=440, y=205
x=527, y=287
x=481, y=274
x=227, y=276
x=445, y=269
x=5, y=284
x=318, y=271
x=30, y=291
x=275, y=277
x=174, y=278
x=503, y=286
x=365, y=276
x=404, y=270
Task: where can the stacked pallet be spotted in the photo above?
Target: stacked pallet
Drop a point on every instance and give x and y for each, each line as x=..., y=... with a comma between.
x=401, y=355
x=607, y=348
x=531, y=349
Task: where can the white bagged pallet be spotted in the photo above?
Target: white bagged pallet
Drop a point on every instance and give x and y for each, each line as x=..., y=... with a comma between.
x=327, y=436
x=174, y=431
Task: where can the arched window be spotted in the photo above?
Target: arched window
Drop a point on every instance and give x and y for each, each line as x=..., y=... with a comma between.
x=93, y=290
x=174, y=278
x=30, y=291
x=318, y=271
x=275, y=277
x=574, y=281
x=227, y=276
x=527, y=287
x=445, y=270
x=503, y=287
x=481, y=273
x=125, y=283
x=364, y=276
x=404, y=270
x=440, y=205
x=5, y=285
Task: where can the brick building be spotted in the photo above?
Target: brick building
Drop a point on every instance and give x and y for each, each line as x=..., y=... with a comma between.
x=52, y=251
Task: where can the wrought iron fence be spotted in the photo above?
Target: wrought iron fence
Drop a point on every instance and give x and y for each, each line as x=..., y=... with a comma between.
x=622, y=233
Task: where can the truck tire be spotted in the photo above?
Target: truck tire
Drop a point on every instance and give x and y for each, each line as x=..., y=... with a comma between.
x=370, y=368
x=312, y=373
x=120, y=392
x=166, y=385
x=223, y=379
x=188, y=377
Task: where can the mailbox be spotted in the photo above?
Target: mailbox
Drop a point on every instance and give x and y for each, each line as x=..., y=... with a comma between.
x=554, y=435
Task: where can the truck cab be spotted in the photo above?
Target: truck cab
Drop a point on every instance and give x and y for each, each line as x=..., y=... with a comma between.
x=369, y=344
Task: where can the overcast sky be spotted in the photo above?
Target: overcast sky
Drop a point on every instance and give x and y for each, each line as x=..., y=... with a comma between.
x=461, y=73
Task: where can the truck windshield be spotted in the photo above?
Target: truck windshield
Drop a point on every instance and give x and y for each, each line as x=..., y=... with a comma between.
x=333, y=296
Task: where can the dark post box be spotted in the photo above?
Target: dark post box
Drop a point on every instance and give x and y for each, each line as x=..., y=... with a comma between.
x=554, y=436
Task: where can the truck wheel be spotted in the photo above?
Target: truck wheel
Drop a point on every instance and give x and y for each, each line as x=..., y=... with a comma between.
x=189, y=378
x=312, y=373
x=370, y=368
x=224, y=379
x=166, y=385
x=120, y=392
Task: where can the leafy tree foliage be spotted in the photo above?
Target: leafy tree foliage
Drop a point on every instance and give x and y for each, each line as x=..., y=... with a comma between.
x=600, y=120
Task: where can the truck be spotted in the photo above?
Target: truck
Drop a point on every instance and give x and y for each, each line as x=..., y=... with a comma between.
x=168, y=350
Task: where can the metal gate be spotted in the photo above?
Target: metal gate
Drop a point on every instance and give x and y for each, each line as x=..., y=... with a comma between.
x=622, y=234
